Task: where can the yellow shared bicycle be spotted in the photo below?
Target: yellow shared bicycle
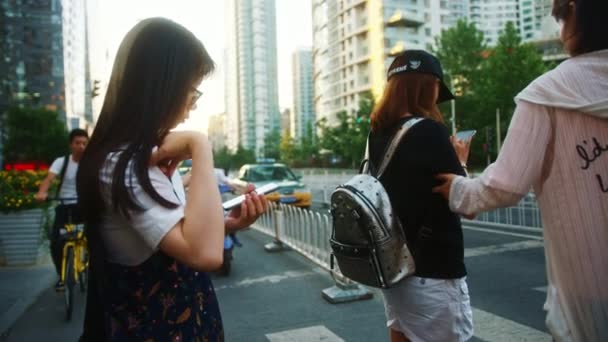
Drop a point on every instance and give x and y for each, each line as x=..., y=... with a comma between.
x=75, y=259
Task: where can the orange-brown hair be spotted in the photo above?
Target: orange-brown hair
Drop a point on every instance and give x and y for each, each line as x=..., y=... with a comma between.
x=406, y=93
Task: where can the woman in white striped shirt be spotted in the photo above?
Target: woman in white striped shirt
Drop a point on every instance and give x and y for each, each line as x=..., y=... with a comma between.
x=561, y=122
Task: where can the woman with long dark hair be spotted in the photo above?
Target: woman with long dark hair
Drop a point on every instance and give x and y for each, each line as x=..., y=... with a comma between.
x=433, y=304
x=150, y=248
x=557, y=146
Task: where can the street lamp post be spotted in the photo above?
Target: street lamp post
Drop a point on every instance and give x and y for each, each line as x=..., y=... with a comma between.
x=453, y=117
x=453, y=102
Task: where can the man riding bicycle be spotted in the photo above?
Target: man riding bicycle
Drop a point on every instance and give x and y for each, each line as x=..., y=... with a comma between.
x=66, y=168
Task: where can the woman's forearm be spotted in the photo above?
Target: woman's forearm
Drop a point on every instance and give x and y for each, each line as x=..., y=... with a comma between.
x=204, y=220
x=472, y=196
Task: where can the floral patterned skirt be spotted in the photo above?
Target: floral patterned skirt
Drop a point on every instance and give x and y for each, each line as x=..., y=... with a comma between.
x=160, y=300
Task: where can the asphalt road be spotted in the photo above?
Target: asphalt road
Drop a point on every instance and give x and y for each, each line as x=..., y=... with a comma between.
x=277, y=297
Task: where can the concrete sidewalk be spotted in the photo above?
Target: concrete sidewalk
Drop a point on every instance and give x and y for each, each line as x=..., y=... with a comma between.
x=20, y=287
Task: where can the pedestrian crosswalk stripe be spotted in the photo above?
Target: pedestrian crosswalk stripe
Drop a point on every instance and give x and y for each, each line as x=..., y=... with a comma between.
x=502, y=248
x=493, y=328
x=272, y=279
x=540, y=289
x=310, y=334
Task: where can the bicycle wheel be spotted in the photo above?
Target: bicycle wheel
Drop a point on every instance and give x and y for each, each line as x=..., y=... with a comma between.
x=69, y=283
x=84, y=273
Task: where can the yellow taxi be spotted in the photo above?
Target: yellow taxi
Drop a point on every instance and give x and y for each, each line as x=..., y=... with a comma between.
x=291, y=190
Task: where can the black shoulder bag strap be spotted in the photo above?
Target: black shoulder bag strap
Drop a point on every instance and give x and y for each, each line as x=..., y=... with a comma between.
x=390, y=149
x=64, y=167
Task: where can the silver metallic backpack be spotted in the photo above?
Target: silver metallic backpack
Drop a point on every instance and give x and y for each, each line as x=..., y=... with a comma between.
x=367, y=238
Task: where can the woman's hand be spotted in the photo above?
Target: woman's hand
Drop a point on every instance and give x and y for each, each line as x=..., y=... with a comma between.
x=41, y=196
x=446, y=183
x=462, y=148
x=443, y=189
x=176, y=147
x=243, y=216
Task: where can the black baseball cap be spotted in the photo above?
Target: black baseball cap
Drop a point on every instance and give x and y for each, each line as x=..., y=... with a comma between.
x=422, y=62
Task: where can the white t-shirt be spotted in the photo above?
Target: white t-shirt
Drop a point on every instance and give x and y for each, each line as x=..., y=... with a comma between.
x=68, y=187
x=220, y=176
x=132, y=241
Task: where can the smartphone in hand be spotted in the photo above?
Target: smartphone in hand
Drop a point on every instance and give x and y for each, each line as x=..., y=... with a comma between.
x=465, y=135
x=263, y=190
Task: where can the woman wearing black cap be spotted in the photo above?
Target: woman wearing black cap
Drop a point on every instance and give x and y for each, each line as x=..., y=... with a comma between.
x=433, y=304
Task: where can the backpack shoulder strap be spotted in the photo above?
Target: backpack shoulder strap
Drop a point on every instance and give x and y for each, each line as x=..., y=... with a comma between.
x=364, y=167
x=392, y=147
x=64, y=167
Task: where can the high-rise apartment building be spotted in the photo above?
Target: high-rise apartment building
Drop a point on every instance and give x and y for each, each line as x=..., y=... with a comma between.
x=252, y=109
x=355, y=40
x=492, y=16
x=303, y=114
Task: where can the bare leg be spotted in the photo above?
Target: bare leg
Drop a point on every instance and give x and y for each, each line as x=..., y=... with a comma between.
x=396, y=336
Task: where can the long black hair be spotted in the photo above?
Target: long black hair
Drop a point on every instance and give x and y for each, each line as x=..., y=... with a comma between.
x=591, y=23
x=156, y=66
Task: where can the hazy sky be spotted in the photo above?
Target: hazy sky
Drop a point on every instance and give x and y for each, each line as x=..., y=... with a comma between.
x=205, y=18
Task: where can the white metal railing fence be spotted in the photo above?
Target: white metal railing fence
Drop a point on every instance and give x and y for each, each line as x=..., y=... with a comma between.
x=322, y=185
x=525, y=215
x=319, y=171
x=308, y=232
x=305, y=231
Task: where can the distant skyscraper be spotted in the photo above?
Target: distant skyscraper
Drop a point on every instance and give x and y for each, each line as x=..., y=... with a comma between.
x=303, y=104
x=216, y=130
x=286, y=121
x=252, y=109
x=43, y=47
x=75, y=66
x=31, y=55
x=100, y=52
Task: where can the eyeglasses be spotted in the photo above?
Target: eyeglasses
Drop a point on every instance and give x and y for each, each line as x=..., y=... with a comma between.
x=197, y=95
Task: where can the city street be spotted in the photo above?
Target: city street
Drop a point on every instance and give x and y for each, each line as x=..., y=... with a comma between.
x=277, y=297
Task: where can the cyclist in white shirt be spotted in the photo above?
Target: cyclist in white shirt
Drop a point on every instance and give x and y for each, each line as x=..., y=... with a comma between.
x=64, y=169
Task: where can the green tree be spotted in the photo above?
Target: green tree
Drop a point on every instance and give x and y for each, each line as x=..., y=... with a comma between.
x=33, y=134
x=288, y=149
x=488, y=78
x=347, y=138
x=509, y=68
x=242, y=156
x=460, y=50
x=272, y=141
x=222, y=158
x=307, y=151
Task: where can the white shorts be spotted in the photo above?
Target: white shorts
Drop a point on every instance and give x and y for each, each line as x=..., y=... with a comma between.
x=427, y=310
